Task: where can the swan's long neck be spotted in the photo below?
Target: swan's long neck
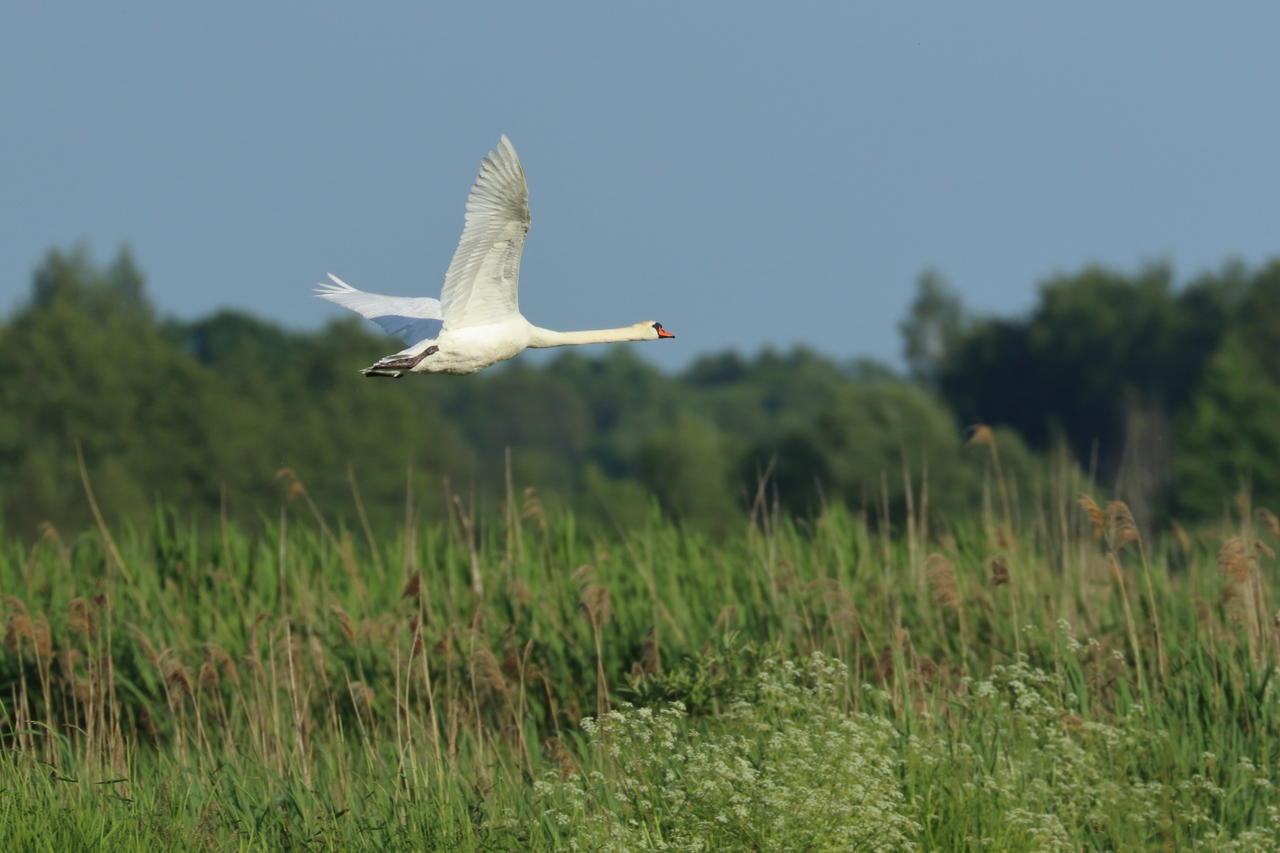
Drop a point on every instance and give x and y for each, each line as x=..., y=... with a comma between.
x=550, y=338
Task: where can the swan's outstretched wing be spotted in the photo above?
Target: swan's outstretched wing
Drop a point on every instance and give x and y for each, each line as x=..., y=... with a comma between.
x=481, y=285
x=413, y=318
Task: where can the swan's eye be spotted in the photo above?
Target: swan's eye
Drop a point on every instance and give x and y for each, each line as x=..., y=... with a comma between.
x=662, y=333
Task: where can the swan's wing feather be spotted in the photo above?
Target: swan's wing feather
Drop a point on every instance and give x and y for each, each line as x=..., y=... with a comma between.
x=411, y=330
x=413, y=318
x=483, y=278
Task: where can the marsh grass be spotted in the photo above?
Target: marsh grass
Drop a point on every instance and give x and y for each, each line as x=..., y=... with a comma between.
x=1041, y=676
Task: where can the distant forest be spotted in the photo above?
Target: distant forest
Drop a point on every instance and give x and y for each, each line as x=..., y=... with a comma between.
x=1168, y=395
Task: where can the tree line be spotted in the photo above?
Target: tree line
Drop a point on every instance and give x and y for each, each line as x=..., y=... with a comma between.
x=1166, y=393
x=1171, y=395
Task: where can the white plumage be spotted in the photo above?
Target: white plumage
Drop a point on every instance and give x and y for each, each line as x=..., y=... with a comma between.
x=477, y=321
x=414, y=318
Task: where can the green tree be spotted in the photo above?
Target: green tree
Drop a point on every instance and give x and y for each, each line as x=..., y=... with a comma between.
x=686, y=465
x=1229, y=438
x=867, y=440
x=203, y=414
x=1103, y=361
x=934, y=324
x=86, y=364
x=1259, y=319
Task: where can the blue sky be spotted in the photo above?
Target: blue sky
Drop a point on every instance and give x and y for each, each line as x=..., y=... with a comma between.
x=745, y=173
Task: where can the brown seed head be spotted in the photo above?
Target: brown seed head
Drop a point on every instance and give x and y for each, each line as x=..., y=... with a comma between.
x=253, y=635
x=981, y=435
x=1233, y=559
x=651, y=653
x=220, y=658
x=595, y=600
x=294, y=483
x=884, y=664
x=724, y=617
x=229, y=670
x=486, y=671
x=178, y=679
x=531, y=505
x=511, y=663
x=942, y=582
x=556, y=751
x=344, y=622
x=80, y=616
x=444, y=647
x=361, y=696
x=82, y=690
x=999, y=570
x=1096, y=520
x=147, y=649
x=17, y=629
x=1270, y=521
x=1121, y=528
x=41, y=637
x=415, y=632
x=207, y=677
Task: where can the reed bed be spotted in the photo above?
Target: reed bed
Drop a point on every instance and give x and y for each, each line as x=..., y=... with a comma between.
x=1041, y=675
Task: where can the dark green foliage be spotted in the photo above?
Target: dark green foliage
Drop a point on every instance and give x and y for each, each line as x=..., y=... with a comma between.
x=686, y=464
x=1140, y=379
x=1165, y=393
x=86, y=362
x=1097, y=345
x=1230, y=437
x=232, y=415
x=1260, y=320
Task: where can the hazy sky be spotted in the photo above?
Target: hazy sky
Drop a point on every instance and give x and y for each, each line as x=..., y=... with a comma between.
x=745, y=173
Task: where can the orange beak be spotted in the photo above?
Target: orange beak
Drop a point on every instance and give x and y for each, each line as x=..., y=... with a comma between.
x=663, y=333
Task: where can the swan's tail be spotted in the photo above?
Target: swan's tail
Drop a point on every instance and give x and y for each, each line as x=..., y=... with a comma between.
x=413, y=318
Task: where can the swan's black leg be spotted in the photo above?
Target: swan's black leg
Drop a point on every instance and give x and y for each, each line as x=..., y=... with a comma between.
x=395, y=367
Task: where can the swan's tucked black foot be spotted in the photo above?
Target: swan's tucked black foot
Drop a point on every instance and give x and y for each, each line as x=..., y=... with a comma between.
x=394, y=368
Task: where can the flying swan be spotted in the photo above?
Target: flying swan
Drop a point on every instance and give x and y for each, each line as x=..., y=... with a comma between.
x=476, y=321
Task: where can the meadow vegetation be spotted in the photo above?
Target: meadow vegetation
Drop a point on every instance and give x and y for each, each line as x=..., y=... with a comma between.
x=1051, y=680
x=772, y=602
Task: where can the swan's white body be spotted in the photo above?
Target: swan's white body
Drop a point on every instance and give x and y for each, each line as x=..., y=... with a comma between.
x=477, y=320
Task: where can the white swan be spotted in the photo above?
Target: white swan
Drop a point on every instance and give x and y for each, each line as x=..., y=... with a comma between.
x=477, y=320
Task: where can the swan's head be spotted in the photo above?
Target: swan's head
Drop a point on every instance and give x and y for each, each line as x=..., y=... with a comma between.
x=659, y=332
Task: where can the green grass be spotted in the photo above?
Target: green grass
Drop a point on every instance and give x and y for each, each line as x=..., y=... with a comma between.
x=822, y=685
